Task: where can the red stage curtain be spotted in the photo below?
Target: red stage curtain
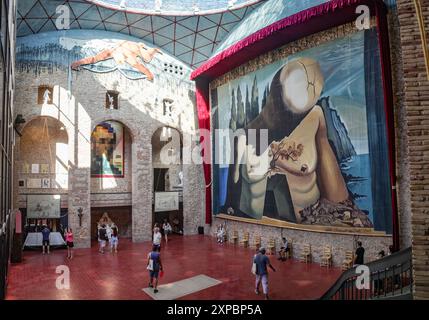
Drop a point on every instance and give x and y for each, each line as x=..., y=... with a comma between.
x=203, y=107
x=293, y=20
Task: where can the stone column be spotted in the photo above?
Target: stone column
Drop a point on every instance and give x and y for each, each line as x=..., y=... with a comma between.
x=142, y=181
x=79, y=197
x=79, y=192
x=416, y=102
x=193, y=206
x=193, y=187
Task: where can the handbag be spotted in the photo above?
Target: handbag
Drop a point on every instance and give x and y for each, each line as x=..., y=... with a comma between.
x=253, y=268
x=150, y=265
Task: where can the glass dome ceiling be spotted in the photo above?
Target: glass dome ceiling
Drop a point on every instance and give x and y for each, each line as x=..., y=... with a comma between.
x=174, y=7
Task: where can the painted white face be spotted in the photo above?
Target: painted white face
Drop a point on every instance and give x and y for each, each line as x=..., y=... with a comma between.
x=295, y=90
x=302, y=83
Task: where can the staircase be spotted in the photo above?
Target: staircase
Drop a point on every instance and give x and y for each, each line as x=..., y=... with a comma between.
x=390, y=278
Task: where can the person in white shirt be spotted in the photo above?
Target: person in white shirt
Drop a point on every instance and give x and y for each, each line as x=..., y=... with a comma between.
x=167, y=229
x=157, y=236
x=220, y=234
x=284, y=249
x=109, y=232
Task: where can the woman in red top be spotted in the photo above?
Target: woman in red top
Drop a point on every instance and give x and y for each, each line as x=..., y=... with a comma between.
x=69, y=241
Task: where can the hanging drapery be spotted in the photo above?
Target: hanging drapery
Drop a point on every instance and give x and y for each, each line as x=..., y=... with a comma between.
x=296, y=26
x=203, y=105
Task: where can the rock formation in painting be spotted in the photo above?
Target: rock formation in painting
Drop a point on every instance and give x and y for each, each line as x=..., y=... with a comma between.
x=337, y=132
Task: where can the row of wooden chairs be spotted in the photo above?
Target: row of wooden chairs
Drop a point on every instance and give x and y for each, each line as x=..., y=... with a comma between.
x=326, y=258
x=305, y=256
x=245, y=242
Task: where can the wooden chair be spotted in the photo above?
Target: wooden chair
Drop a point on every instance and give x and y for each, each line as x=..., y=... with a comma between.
x=257, y=242
x=348, y=261
x=290, y=246
x=225, y=237
x=245, y=240
x=234, y=237
x=271, y=248
x=288, y=253
x=306, y=253
x=326, y=258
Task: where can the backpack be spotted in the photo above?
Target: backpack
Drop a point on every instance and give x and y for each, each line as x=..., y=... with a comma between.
x=103, y=234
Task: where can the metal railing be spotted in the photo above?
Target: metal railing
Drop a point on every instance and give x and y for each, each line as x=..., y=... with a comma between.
x=389, y=278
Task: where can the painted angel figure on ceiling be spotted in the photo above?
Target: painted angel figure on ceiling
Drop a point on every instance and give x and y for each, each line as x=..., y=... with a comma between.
x=126, y=52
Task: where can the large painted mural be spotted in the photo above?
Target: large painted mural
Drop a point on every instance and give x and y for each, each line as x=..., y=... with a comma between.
x=99, y=52
x=325, y=161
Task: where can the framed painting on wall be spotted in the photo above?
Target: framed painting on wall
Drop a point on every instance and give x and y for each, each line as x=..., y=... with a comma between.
x=107, y=150
x=35, y=168
x=25, y=167
x=44, y=168
x=46, y=183
x=43, y=206
x=166, y=201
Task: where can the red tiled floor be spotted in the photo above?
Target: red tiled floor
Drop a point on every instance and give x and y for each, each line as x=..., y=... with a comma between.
x=122, y=276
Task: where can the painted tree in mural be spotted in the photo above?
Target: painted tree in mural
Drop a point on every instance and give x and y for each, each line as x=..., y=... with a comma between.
x=254, y=102
x=248, y=107
x=233, y=121
x=241, y=118
x=264, y=97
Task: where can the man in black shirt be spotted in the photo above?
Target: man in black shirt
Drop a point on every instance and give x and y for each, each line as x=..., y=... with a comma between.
x=360, y=251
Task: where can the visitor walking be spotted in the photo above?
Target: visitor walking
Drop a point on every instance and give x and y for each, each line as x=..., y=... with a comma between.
x=154, y=265
x=114, y=239
x=360, y=252
x=45, y=241
x=167, y=229
x=69, y=241
x=157, y=237
x=261, y=262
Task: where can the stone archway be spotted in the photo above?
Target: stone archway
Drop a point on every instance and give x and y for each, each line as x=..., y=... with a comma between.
x=41, y=167
x=168, y=178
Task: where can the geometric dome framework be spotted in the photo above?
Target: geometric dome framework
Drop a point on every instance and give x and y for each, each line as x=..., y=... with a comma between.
x=190, y=38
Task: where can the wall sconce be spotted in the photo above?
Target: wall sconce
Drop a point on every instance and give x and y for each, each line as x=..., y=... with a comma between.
x=18, y=121
x=80, y=215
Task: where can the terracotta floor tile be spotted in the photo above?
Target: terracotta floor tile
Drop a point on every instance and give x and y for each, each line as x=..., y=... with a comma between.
x=122, y=276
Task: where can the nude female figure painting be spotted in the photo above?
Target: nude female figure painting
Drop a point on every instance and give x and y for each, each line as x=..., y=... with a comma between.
x=299, y=168
x=133, y=53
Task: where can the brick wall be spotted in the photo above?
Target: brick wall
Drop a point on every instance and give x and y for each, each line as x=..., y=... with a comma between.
x=141, y=112
x=416, y=105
